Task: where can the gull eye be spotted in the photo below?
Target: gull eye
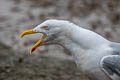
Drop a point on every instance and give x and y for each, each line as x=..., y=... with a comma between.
x=45, y=27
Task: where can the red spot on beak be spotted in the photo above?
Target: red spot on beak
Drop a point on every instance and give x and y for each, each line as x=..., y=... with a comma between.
x=33, y=49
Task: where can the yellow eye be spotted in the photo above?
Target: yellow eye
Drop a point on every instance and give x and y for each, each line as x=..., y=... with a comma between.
x=45, y=27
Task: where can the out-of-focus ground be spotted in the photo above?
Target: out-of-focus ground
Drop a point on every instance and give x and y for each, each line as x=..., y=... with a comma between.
x=101, y=16
x=19, y=66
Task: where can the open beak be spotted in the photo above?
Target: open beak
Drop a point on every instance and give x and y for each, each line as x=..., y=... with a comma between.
x=38, y=43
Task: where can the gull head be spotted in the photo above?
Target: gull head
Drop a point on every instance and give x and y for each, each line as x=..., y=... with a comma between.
x=50, y=30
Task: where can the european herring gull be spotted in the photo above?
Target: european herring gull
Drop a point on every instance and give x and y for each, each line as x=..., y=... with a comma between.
x=98, y=58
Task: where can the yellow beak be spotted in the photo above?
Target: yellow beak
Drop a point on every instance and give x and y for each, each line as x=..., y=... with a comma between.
x=38, y=43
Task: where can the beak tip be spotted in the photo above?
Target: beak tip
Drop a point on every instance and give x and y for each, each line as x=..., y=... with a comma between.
x=21, y=36
x=32, y=49
x=30, y=53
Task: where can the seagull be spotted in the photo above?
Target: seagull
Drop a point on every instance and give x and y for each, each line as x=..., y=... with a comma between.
x=96, y=57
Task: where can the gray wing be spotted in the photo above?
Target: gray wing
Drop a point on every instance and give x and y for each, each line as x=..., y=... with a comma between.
x=111, y=66
x=116, y=48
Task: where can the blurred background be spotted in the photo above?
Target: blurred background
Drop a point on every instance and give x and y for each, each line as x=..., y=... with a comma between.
x=49, y=62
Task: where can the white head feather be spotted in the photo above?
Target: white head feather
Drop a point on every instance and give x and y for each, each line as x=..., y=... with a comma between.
x=64, y=32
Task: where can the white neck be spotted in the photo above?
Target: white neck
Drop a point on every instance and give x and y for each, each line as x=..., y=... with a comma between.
x=76, y=37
